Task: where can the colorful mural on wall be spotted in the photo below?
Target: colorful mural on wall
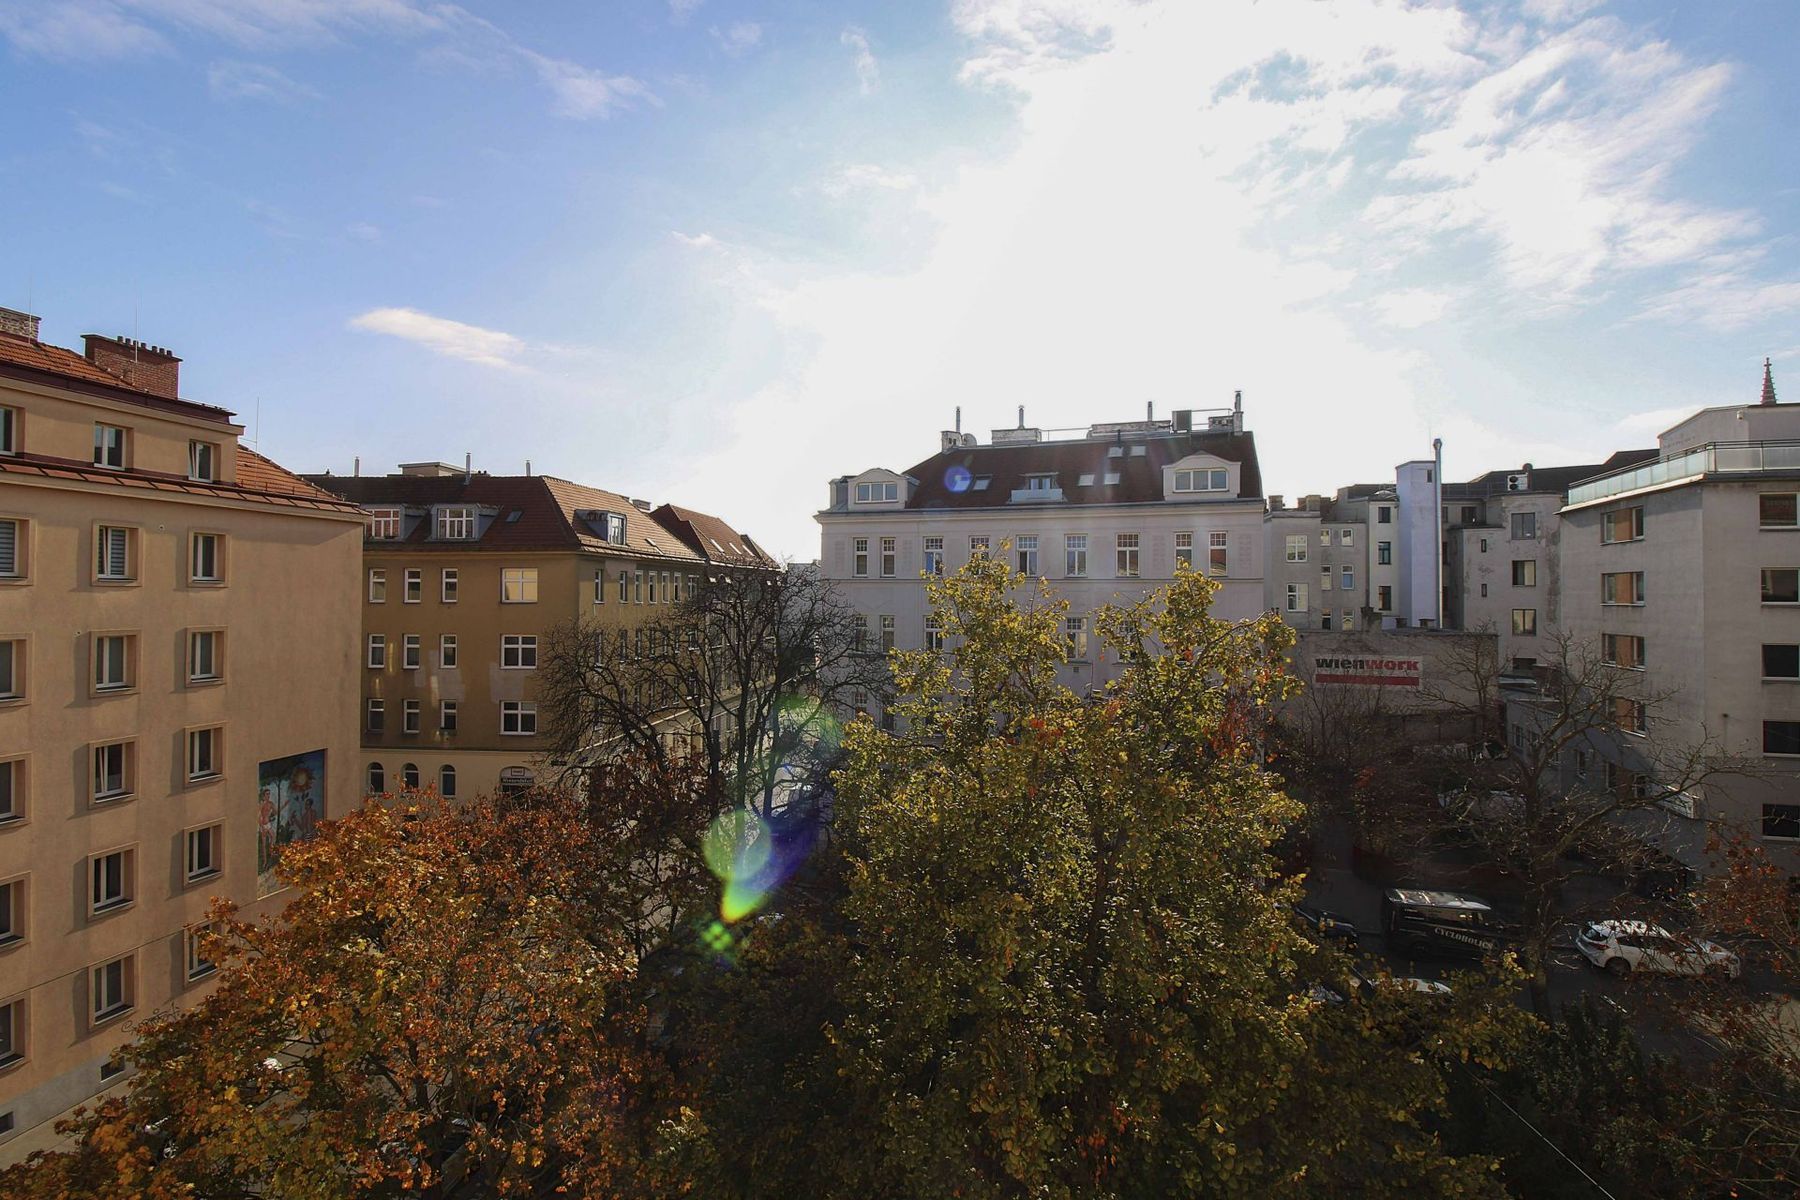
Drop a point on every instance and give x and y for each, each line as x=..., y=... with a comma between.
x=290, y=805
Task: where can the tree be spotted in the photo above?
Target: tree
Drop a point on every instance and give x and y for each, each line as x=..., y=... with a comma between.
x=747, y=676
x=434, y=1008
x=1068, y=971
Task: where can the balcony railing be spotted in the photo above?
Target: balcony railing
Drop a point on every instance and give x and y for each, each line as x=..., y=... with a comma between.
x=1714, y=458
x=1036, y=495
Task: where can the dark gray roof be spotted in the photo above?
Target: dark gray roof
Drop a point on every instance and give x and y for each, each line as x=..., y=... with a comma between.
x=1140, y=476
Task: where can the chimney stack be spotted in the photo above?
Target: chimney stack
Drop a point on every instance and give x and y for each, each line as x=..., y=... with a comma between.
x=959, y=418
x=1021, y=416
x=147, y=368
x=1275, y=503
x=18, y=324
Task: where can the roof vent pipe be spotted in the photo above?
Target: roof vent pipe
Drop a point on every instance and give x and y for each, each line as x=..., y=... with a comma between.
x=959, y=418
x=528, y=468
x=468, y=466
x=1149, y=410
x=1021, y=416
x=357, y=469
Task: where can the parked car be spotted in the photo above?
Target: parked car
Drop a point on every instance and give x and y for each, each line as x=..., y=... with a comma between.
x=1420, y=922
x=1329, y=927
x=1621, y=947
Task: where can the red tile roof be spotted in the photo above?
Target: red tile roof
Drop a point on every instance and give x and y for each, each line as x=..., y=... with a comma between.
x=713, y=538
x=23, y=357
x=259, y=481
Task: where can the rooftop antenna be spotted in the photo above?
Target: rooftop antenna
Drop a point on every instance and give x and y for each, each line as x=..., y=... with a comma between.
x=256, y=436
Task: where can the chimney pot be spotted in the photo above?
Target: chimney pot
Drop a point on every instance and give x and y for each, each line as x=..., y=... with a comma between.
x=147, y=368
x=19, y=324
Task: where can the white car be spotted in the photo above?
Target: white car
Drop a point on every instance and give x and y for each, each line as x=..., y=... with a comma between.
x=1621, y=947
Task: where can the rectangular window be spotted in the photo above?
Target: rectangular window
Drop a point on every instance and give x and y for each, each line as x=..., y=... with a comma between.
x=1325, y=619
x=518, y=651
x=12, y=548
x=447, y=716
x=1622, y=587
x=1624, y=525
x=519, y=585
x=114, y=662
x=1324, y=577
x=1781, y=821
x=934, y=634
x=599, y=586
x=1296, y=597
x=637, y=587
x=859, y=635
x=413, y=587
x=889, y=558
x=1075, y=550
x=860, y=550
x=12, y=1044
x=12, y=669
x=877, y=493
x=1324, y=537
x=1040, y=483
x=1778, y=510
x=447, y=651
x=1780, y=661
x=1027, y=549
x=1384, y=515
x=1524, y=572
x=1127, y=548
x=205, y=754
x=1384, y=554
x=447, y=588
x=109, y=447
x=1349, y=619
x=375, y=717
x=12, y=790
x=377, y=587
x=1780, y=585
x=203, y=858
x=1347, y=578
x=518, y=718
x=887, y=631
x=1622, y=650
x=112, y=877
x=203, y=460
x=1384, y=598
x=1781, y=737
x=1296, y=547
x=1630, y=715
x=9, y=430
x=934, y=556
x=411, y=645
x=409, y=715
x=198, y=965
x=1216, y=552
x=1209, y=480
x=206, y=558
x=1075, y=629
x=12, y=913
x=383, y=524
x=624, y=587
x=377, y=651
x=1484, y=588
x=110, y=988
x=978, y=545
x=456, y=523
x=1524, y=526
x=1184, y=550
x=1347, y=537
x=1524, y=622
x=113, y=559
x=112, y=766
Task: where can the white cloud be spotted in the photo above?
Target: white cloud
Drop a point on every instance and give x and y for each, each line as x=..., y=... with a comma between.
x=868, y=71
x=858, y=177
x=681, y=10
x=363, y=231
x=81, y=30
x=739, y=38
x=452, y=339
x=1409, y=308
x=230, y=80
x=582, y=93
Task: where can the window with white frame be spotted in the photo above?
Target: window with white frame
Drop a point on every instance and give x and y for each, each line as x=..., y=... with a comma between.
x=518, y=718
x=1216, y=552
x=877, y=493
x=518, y=651
x=1325, y=618
x=110, y=989
x=934, y=634
x=13, y=1039
x=383, y=524
x=519, y=585
x=411, y=647
x=599, y=585
x=413, y=586
x=114, y=662
x=637, y=587
x=1296, y=597
x=206, y=558
x=9, y=430
x=112, y=771
x=1026, y=546
x=1324, y=536
x=887, y=631
x=112, y=876
x=934, y=556
x=109, y=446
x=1184, y=549
x=1324, y=577
x=1778, y=510
x=1347, y=536
x=1348, y=619
x=12, y=790
x=457, y=523
x=1347, y=578
x=12, y=668
x=377, y=586
x=978, y=545
x=1126, y=547
x=375, y=714
x=12, y=912
x=409, y=776
x=203, y=461
x=1296, y=547
x=377, y=782
x=1075, y=632
x=409, y=715
x=860, y=554
x=205, y=753
x=114, y=561
x=447, y=781
x=377, y=651
x=447, y=716
x=1075, y=550
x=859, y=632
x=448, y=584
x=1040, y=483
x=199, y=966
x=447, y=651
x=12, y=548
x=203, y=857
x=1211, y=479
x=889, y=557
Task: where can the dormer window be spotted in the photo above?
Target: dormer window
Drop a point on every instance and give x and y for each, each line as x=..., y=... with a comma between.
x=203, y=460
x=1210, y=480
x=615, y=528
x=384, y=524
x=981, y=483
x=109, y=446
x=456, y=523
x=877, y=493
x=1040, y=483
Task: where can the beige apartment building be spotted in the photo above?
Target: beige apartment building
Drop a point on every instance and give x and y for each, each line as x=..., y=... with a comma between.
x=465, y=575
x=175, y=684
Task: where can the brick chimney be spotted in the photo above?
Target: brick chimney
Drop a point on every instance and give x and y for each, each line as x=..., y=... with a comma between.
x=18, y=324
x=148, y=368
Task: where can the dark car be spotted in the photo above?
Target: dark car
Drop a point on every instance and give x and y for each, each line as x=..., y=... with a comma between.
x=1326, y=926
x=1421, y=922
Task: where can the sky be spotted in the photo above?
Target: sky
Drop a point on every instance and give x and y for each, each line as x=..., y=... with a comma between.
x=719, y=252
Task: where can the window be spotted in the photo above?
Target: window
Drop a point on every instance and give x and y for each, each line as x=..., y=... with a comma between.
x=1324, y=577
x=1216, y=552
x=1296, y=597
x=1626, y=524
x=112, y=1068
x=624, y=587
x=519, y=585
x=377, y=778
x=859, y=635
x=1347, y=578
x=934, y=556
x=1778, y=510
x=1484, y=545
x=112, y=877
x=202, y=461
x=199, y=966
x=1630, y=715
x=205, y=753
x=518, y=718
x=409, y=715
x=12, y=790
x=12, y=1042
x=637, y=587
x=109, y=447
x=1484, y=588
x=877, y=493
x=114, y=668
x=112, y=766
x=1622, y=650
x=934, y=634
x=1524, y=526
x=1781, y=821
x=518, y=652
x=1349, y=619
x=887, y=631
x=12, y=669
x=1780, y=585
x=1524, y=572
x=1781, y=737
x=1127, y=546
x=1296, y=547
x=1384, y=515
x=114, y=561
x=377, y=651
x=860, y=548
x=411, y=646
x=12, y=912
x=110, y=986
x=1622, y=587
x=383, y=524
x=1346, y=537
x=1075, y=629
x=447, y=716
x=978, y=545
x=413, y=589
x=1324, y=537
x=1384, y=554
x=1325, y=619
x=203, y=856
x=1524, y=622
x=1040, y=483
x=1027, y=550
x=447, y=651
x=1384, y=598
x=1184, y=550
x=888, y=558
x=409, y=776
x=1470, y=514
x=1209, y=480
x=12, y=548
x=9, y=430
x=1780, y=661
x=456, y=523
x=615, y=528
x=206, y=658
x=376, y=718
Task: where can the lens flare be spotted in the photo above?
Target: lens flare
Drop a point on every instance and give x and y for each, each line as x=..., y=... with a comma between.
x=957, y=478
x=738, y=850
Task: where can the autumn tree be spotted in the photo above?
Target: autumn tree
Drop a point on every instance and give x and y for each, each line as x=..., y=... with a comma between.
x=435, y=1009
